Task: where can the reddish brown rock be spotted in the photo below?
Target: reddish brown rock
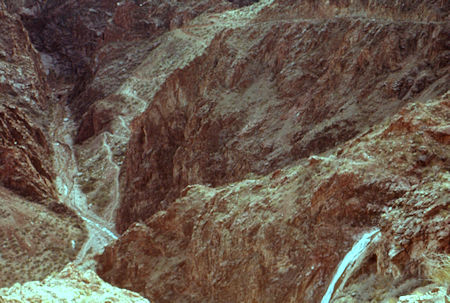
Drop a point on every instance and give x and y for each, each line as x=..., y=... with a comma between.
x=258, y=145
x=25, y=162
x=22, y=165
x=36, y=239
x=94, y=122
x=278, y=238
x=272, y=91
x=272, y=88
x=85, y=37
x=96, y=45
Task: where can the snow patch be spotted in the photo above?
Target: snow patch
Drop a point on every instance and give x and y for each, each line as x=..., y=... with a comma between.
x=350, y=262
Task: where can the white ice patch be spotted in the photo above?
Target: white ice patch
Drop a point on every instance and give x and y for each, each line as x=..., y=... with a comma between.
x=66, y=190
x=98, y=226
x=350, y=262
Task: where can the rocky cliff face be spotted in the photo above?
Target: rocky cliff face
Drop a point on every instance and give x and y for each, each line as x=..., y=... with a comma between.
x=272, y=88
x=96, y=46
x=277, y=82
x=36, y=238
x=24, y=163
x=241, y=148
x=279, y=237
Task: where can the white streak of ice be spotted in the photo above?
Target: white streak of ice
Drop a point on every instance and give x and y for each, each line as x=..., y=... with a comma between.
x=349, y=260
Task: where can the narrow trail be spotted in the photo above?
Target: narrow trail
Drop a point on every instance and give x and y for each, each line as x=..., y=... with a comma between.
x=100, y=230
x=110, y=211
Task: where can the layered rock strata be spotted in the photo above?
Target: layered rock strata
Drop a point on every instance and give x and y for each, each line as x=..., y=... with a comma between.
x=278, y=82
x=25, y=156
x=268, y=89
x=36, y=238
x=279, y=237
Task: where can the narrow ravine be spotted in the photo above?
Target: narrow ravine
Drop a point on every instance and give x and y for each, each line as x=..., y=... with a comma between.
x=350, y=262
x=110, y=211
x=101, y=231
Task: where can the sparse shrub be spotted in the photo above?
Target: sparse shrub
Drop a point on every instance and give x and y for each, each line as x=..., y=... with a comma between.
x=438, y=268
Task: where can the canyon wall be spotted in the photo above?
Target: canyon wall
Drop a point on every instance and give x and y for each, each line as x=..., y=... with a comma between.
x=94, y=47
x=220, y=173
x=36, y=230
x=25, y=156
x=240, y=148
x=269, y=89
x=279, y=237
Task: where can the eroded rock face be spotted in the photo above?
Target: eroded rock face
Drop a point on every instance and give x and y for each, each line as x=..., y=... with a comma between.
x=98, y=44
x=253, y=145
x=36, y=239
x=25, y=157
x=269, y=89
x=279, y=238
x=275, y=88
x=85, y=37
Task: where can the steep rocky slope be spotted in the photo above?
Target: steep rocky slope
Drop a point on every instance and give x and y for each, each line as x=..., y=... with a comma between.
x=245, y=150
x=37, y=159
x=267, y=90
x=275, y=83
x=279, y=237
x=96, y=45
x=24, y=165
x=36, y=231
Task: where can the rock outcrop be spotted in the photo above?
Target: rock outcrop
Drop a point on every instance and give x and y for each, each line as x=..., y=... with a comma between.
x=271, y=88
x=25, y=165
x=276, y=83
x=71, y=285
x=279, y=237
x=96, y=45
x=241, y=148
x=39, y=235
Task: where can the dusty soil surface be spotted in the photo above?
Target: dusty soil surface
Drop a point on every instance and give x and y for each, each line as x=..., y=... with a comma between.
x=69, y=285
x=35, y=240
